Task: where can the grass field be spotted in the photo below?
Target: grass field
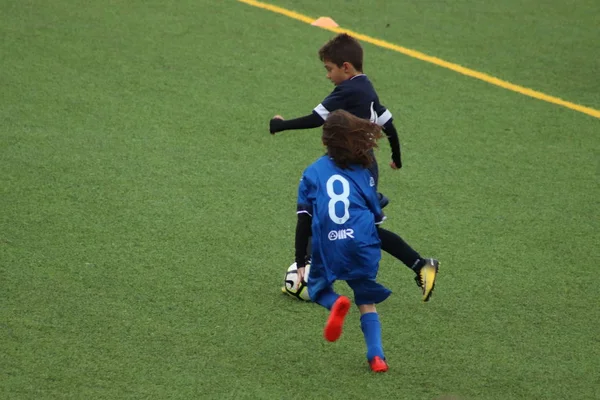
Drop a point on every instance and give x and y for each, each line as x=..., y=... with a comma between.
x=147, y=216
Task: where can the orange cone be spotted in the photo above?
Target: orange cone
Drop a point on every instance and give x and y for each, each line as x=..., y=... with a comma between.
x=325, y=22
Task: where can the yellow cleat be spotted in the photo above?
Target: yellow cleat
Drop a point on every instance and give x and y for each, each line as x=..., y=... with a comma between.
x=426, y=277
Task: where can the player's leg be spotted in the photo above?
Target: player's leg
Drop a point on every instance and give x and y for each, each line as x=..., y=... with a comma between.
x=337, y=316
x=338, y=306
x=396, y=246
x=367, y=292
x=320, y=290
x=425, y=269
x=383, y=200
x=371, y=328
x=325, y=297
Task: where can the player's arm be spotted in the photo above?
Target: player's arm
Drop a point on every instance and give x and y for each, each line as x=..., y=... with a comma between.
x=334, y=101
x=303, y=231
x=385, y=120
x=278, y=124
x=304, y=212
x=392, y=134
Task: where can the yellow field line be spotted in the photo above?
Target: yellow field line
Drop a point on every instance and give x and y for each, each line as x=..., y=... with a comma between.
x=433, y=60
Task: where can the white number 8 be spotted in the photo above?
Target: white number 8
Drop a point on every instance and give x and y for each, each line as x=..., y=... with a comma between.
x=335, y=198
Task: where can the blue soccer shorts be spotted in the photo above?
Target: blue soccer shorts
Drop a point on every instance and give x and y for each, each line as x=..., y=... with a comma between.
x=368, y=291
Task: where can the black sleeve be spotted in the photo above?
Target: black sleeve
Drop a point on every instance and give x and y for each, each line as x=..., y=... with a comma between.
x=303, y=231
x=392, y=135
x=312, y=120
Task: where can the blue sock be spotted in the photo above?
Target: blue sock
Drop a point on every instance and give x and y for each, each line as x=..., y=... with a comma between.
x=371, y=327
x=327, y=298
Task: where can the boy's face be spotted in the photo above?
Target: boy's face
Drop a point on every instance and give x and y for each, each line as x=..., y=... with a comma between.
x=337, y=74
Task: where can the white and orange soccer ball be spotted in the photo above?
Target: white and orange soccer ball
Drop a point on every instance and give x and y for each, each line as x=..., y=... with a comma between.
x=291, y=285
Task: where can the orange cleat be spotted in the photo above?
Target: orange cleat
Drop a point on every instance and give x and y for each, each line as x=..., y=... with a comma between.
x=335, y=323
x=378, y=365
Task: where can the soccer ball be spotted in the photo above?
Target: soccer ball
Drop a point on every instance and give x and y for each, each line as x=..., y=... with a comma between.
x=290, y=283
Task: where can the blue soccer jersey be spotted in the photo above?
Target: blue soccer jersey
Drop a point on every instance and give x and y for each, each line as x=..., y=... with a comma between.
x=357, y=96
x=344, y=207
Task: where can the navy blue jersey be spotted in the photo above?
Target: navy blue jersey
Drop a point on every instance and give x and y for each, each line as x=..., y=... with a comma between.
x=344, y=207
x=357, y=96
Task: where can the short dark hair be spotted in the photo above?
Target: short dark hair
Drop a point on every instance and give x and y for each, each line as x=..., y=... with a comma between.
x=349, y=139
x=343, y=48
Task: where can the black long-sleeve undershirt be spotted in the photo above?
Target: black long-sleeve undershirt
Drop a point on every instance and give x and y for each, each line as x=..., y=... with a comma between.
x=303, y=233
x=390, y=131
x=312, y=120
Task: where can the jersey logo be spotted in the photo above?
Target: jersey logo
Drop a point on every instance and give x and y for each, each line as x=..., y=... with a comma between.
x=373, y=118
x=372, y=182
x=341, y=234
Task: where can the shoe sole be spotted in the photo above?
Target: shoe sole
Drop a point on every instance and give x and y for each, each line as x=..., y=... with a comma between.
x=335, y=323
x=380, y=368
x=428, y=275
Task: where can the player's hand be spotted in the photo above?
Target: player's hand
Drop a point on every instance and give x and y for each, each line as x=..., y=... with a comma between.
x=301, y=272
x=274, y=124
x=396, y=162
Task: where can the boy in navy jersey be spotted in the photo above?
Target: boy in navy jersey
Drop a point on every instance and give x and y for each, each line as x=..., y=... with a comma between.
x=338, y=207
x=342, y=57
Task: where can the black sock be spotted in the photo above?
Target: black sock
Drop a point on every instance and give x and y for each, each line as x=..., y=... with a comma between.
x=397, y=247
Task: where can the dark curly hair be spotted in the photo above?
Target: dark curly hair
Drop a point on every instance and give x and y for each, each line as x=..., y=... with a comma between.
x=349, y=139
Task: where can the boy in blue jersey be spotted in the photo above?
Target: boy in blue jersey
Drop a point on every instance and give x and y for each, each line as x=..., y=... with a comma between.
x=338, y=207
x=342, y=57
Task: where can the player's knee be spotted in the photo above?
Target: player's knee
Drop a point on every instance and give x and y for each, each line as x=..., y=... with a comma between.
x=367, y=308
